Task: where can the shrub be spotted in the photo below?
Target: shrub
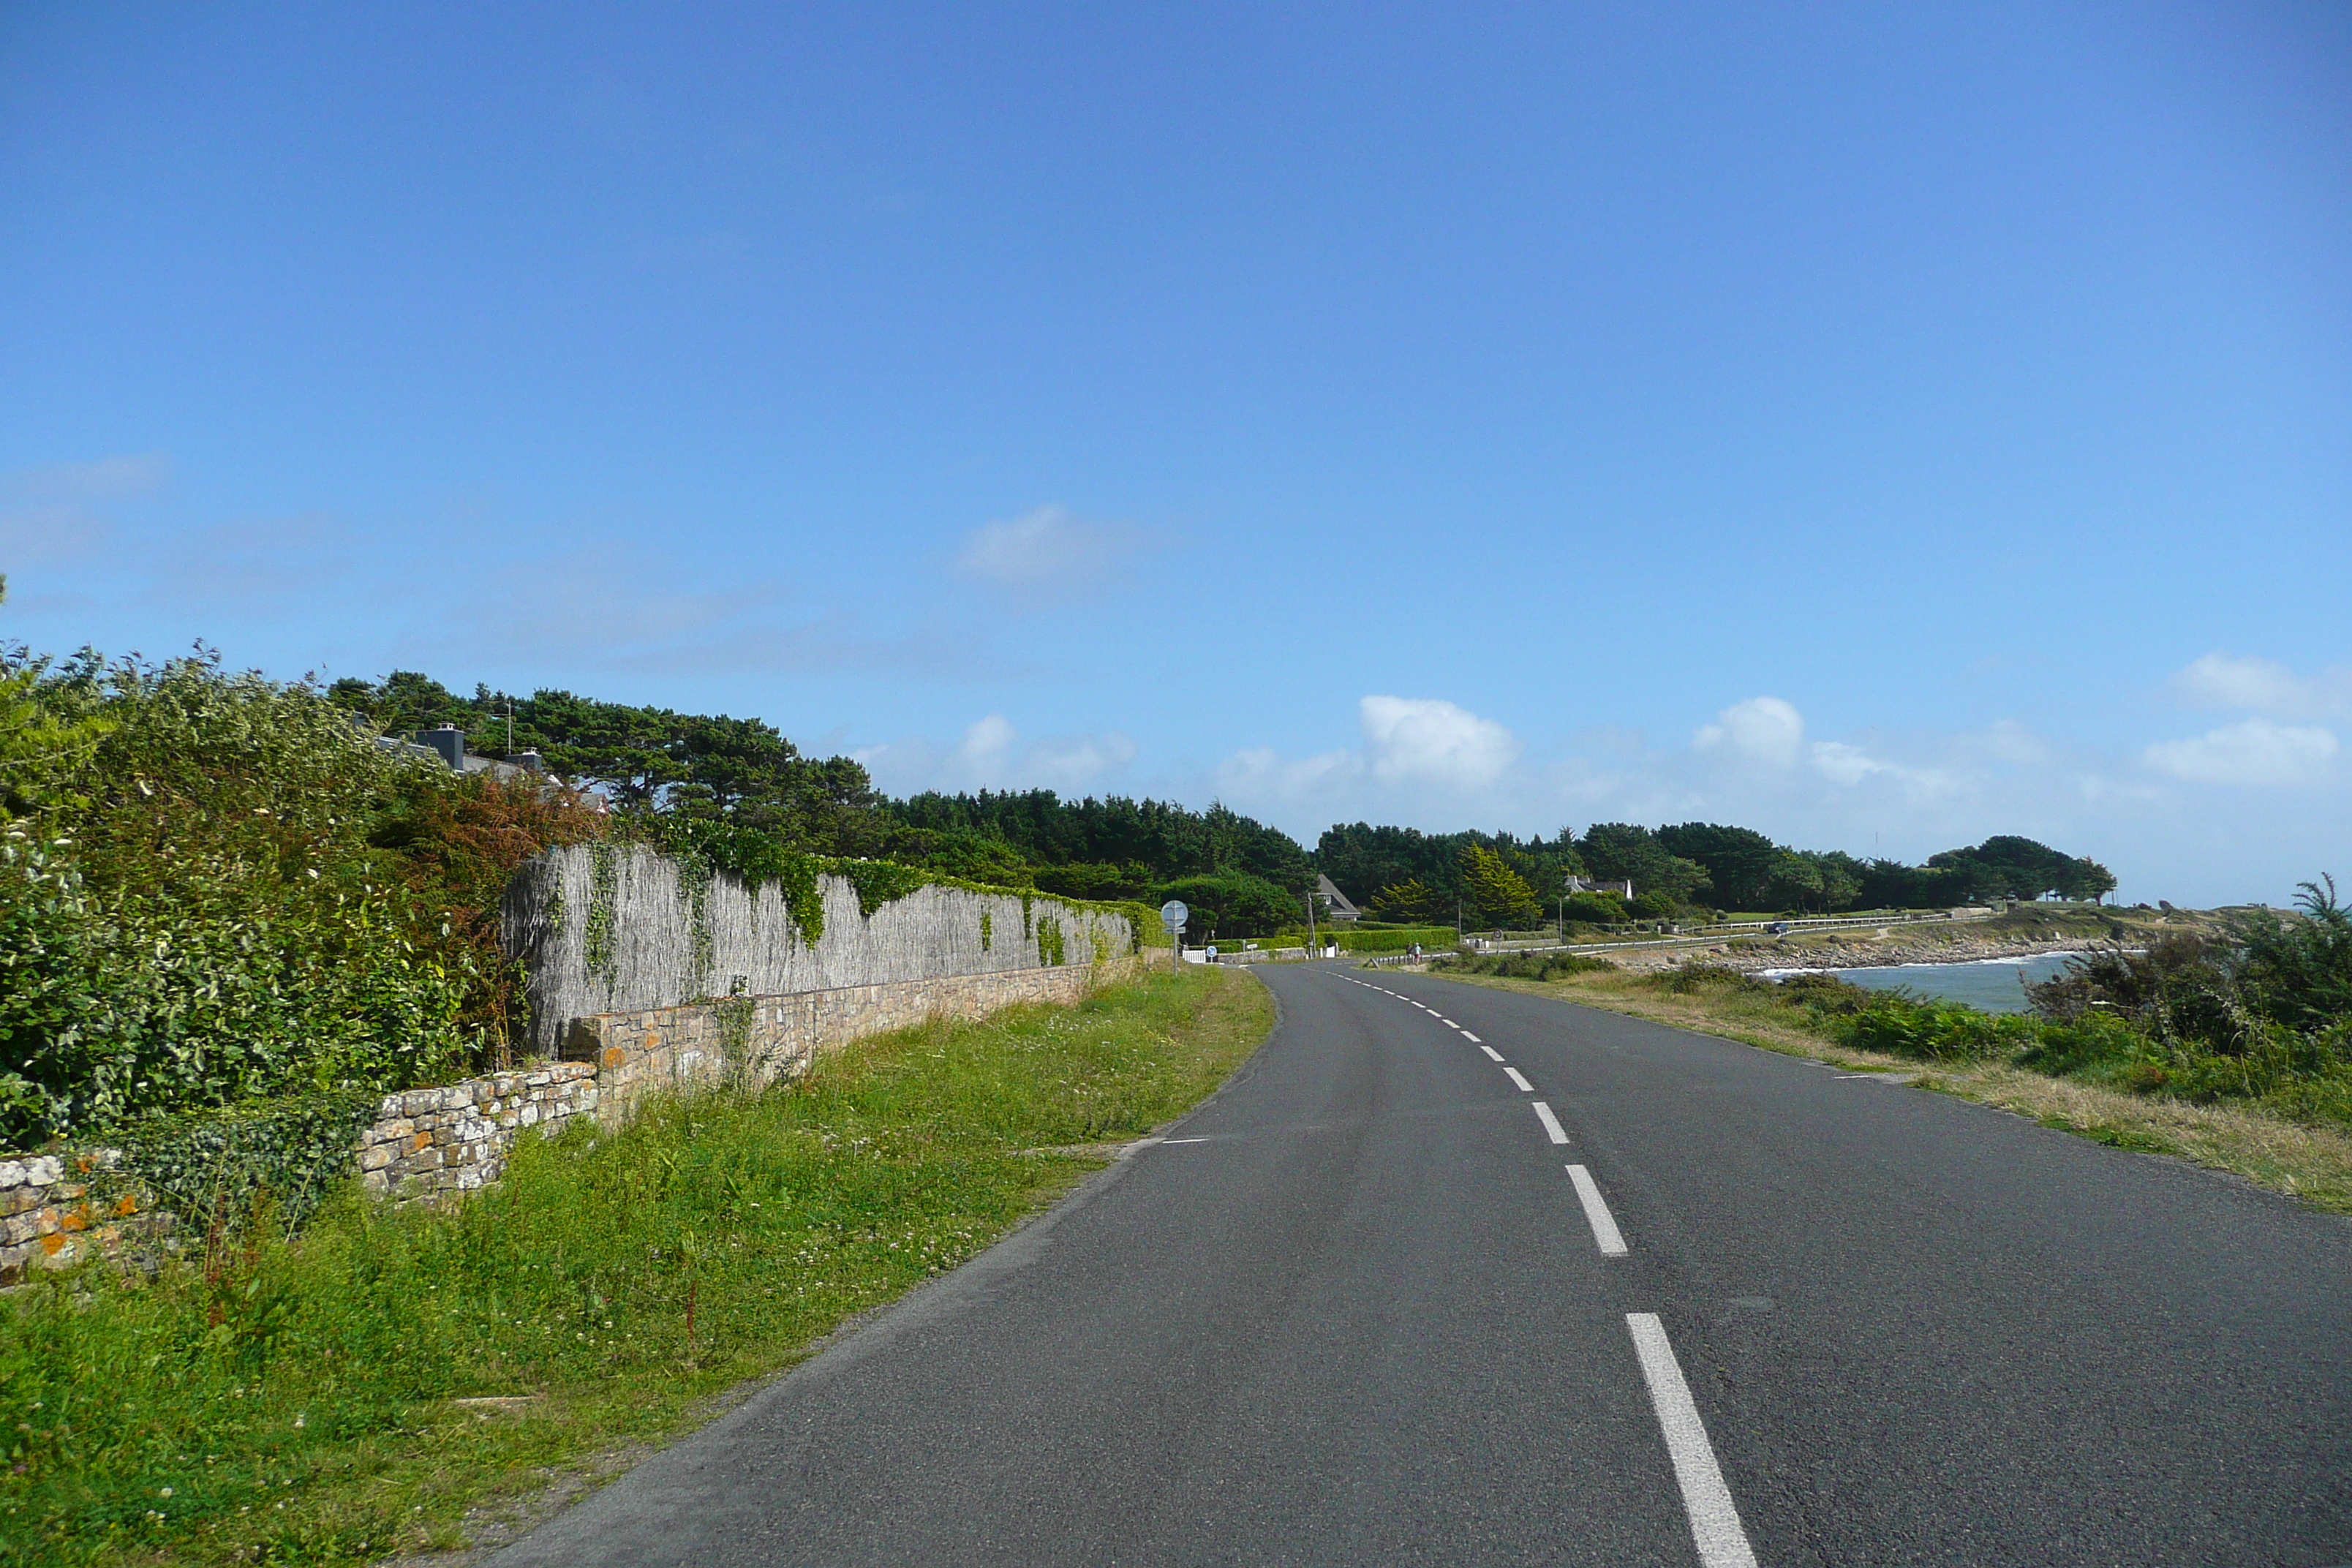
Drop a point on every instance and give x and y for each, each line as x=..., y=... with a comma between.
x=234, y=894
x=1596, y=909
x=1523, y=965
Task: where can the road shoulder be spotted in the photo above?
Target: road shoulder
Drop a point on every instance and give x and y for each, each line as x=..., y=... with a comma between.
x=2310, y=1162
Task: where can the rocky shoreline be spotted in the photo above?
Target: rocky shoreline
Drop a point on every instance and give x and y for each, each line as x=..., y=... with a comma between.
x=1858, y=950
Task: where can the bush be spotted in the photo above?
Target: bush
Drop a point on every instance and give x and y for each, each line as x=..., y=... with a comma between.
x=1522, y=966
x=233, y=895
x=1933, y=1031
x=1597, y=908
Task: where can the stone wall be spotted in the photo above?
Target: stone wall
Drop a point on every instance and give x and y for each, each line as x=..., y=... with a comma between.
x=639, y=1019
x=620, y=929
x=754, y=1040
x=427, y=1142
x=46, y=1218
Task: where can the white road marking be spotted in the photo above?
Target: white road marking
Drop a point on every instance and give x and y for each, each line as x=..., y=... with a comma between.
x=1551, y=1122
x=1714, y=1522
x=1186, y=1140
x=1469, y=1036
x=1604, y=1225
x=1525, y=1086
x=1492, y=1052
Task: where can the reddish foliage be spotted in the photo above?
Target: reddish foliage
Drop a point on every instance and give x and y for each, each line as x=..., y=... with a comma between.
x=460, y=841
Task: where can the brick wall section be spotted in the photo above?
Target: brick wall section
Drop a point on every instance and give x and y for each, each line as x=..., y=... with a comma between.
x=456, y=1137
x=644, y=1052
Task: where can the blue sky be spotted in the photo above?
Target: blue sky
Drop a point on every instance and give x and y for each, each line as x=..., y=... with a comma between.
x=1880, y=425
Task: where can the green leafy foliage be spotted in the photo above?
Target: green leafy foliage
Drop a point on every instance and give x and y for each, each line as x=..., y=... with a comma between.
x=235, y=894
x=2264, y=1010
x=1521, y=965
x=1604, y=908
x=1412, y=875
x=1232, y=904
x=218, y=1172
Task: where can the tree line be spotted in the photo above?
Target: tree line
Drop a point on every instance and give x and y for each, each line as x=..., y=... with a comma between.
x=741, y=790
x=1499, y=879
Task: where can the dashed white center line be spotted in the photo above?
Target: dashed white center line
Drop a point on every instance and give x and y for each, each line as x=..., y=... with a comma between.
x=1469, y=1036
x=1525, y=1086
x=1551, y=1122
x=1492, y=1052
x=1714, y=1522
x=1605, y=1234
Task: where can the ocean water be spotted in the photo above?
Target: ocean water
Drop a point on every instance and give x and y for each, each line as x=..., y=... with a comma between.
x=1992, y=984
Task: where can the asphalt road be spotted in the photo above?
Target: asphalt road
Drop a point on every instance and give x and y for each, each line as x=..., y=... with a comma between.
x=1358, y=1310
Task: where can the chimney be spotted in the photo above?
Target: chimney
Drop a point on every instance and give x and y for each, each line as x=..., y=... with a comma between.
x=449, y=741
x=528, y=762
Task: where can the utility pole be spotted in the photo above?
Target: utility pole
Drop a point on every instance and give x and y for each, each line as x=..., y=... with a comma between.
x=1314, y=948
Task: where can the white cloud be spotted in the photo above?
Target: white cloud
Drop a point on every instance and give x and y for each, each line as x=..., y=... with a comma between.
x=2263, y=686
x=1049, y=555
x=1430, y=740
x=53, y=514
x=986, y=747
x=109, y=479
x=1849, y=765
x=1260, y=773
x=1763, y=730
x=991, y=755
x=2254, y=752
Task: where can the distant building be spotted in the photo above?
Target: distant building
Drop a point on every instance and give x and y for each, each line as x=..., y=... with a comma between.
x=445, y=743
x=1337, y=906
x=1587, y=885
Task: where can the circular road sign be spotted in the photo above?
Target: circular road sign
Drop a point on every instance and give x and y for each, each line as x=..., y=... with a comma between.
x=1172, y=914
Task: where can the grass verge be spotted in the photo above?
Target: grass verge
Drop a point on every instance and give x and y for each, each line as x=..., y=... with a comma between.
x=351, y=1394
x=2307, y=1160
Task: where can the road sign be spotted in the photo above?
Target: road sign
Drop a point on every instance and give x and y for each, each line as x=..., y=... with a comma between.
x=1172, y=914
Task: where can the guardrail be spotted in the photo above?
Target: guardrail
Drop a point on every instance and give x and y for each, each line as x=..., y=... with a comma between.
x=1687, y=939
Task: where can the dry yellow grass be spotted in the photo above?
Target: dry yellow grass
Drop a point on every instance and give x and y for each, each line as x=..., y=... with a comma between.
x=2311, y=1162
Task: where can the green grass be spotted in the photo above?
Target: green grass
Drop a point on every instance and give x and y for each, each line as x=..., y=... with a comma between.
x=295, y=1401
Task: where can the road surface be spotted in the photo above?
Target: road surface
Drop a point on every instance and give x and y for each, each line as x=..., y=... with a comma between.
x=1451, y=1275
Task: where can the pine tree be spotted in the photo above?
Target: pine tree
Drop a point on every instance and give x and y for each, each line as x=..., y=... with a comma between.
x=1500, y=896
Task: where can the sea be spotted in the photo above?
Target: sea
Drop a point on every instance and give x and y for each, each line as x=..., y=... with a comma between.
x=1988, y=984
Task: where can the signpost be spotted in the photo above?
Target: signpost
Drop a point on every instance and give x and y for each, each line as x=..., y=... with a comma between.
x=1172, y=914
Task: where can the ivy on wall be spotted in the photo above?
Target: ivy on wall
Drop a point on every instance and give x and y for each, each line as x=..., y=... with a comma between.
x=700, y=851
x=267, y=1163
x=1050, y=948
x=604, y=899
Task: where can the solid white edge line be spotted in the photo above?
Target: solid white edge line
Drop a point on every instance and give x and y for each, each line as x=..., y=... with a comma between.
x=1525, y=1086
x=1605, y=1234
x=1714, y=1522
x=1551, y=1122
x=1491, y=1051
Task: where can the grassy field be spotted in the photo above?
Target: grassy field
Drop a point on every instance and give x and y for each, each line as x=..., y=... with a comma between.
x=2308, y=1158
x=394, y=1382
